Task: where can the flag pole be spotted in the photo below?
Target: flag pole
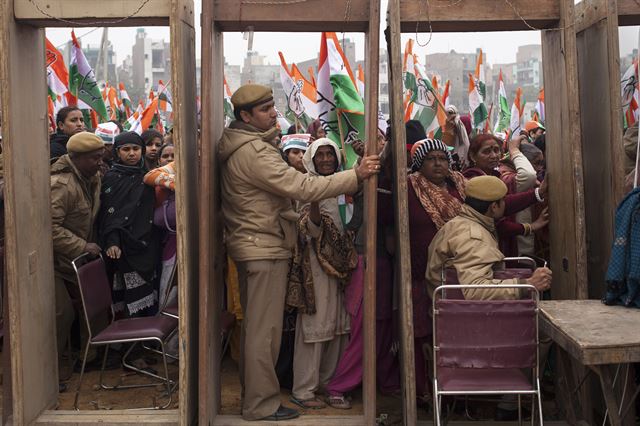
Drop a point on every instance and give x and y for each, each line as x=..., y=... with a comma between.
x=342, y=148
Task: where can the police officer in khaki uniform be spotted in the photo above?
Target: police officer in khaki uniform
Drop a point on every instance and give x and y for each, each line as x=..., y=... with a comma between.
x=471, y=240
x=257, y=189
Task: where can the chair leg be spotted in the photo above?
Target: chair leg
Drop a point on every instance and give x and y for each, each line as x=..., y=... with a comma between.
x=104, y=363
x=84, y=362
x=533, y=408
x=539, y=396
x=166, y=373
x=519, y=410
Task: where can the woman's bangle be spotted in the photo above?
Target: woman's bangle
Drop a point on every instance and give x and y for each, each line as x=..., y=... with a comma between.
x=538, y=197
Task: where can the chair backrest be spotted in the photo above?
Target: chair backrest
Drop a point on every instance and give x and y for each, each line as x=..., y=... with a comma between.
x=449, y=275
x=95, y=290
x=485, y=333
x=172, y=283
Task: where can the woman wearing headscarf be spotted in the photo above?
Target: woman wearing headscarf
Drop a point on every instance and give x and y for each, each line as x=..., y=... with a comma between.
x=125, y=228
x=435, y=196
x=324, y=259
x=315, y=130
x=485, y=153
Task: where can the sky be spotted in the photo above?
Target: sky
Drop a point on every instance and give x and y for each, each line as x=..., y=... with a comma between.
x=500, y=47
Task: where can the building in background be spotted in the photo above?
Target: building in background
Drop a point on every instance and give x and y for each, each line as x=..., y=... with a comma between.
x=257, y=70
x=151, y=62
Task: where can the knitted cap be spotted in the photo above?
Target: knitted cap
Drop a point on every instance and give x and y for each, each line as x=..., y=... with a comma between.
x=299, y=141
x=422, y=148
x=108, y=132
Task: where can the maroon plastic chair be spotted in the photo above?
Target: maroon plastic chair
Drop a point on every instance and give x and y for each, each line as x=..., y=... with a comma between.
x=449, y=276
x=485, y=347
x=95, y=293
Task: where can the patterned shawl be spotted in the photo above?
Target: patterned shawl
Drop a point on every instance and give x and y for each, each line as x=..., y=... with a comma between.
x=437, y=202
x=336, y=255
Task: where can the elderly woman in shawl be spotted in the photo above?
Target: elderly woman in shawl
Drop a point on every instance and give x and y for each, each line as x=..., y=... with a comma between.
x=322, y=265
x=125, y=228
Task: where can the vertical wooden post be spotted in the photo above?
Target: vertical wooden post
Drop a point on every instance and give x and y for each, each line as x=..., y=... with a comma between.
x=372, y=58
x=601, y=112
x=211, y=268
x=187, y=181
x=29, y=253
x=564, y=159
x=400, y=190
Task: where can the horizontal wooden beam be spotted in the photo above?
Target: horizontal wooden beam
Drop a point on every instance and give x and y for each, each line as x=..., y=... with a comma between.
x=628, y=12
x=478, y=15
x=54, y=13
x=346, y=420
x=280, y=15
x=113, y=417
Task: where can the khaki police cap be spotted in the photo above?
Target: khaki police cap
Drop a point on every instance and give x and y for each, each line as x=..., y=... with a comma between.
x=84, y=142
x=251, y=95
x=486, y=188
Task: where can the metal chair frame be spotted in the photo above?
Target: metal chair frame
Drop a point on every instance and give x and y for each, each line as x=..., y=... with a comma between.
x=535, y=392
x=165, y=379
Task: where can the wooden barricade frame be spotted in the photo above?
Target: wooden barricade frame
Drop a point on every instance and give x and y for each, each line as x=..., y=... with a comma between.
x=219, y=16
x=566, y=61
x=29, y=254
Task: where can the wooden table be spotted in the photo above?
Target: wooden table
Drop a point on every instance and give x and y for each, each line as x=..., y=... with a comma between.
x=597, y=336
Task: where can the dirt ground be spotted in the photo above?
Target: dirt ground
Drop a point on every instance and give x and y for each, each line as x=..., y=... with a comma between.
x=92, y=397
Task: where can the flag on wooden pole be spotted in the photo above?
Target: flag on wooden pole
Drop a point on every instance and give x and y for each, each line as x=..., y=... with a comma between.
x=504, y=114
x=82, y=81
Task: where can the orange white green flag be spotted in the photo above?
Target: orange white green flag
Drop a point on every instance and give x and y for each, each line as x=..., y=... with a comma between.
x=340, y=107
x=516, y=112
x=82, y=81
x=504, y=114
x=629, y=84
x=126, y=100
x=540, y=109
x=300, y=93
x=227, y=106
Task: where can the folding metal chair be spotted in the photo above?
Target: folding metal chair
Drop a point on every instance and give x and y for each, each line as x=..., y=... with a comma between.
x=481, y=347
x=95, y=293
x=448, y=275
x=170, y=309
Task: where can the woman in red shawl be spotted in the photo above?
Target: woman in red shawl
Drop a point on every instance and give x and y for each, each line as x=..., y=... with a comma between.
x=485, y=153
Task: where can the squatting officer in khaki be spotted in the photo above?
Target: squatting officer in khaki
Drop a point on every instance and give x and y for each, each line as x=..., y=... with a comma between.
x=257, y=189
x=471, y=240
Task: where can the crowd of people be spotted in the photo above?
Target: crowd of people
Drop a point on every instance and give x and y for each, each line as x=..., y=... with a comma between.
x=294, y=235
x=112, y=194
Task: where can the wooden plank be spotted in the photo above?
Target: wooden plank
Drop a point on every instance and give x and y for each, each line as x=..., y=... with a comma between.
x=564, y=161
x=211, y=268
x=403, y=255
x=628, y=12
x=305, y=420
x=591, y=332
x=372, y=58
x=478, y=15
x=185, y=138
x=598, y=71
x=47, y=13
x=28, y=250
x=114, y=417
x=310, y=15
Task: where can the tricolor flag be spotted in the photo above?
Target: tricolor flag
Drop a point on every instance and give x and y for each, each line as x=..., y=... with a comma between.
x=360, y=81
x=340, y=107
x=126, y=100
x=477, y=108
x=57, y=74
x=516, y=112
x=164, y=97
x=504, y=114
x=629, y=85
x=540, y=106
x=445, y=95
x=300, y=94
x=228, y=106
x=133, y=122
x=421, y=97
x=82, y=81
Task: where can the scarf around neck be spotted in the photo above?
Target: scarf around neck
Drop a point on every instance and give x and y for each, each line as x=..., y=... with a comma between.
x=436, y=201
